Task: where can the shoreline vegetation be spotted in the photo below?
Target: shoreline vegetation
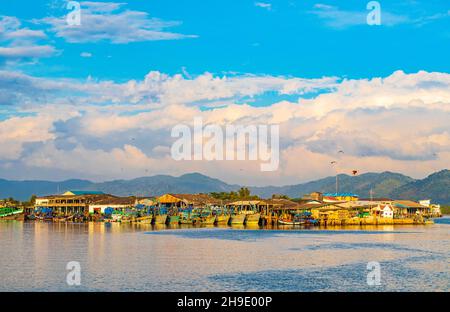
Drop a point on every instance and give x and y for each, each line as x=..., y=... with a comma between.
x=445, y=210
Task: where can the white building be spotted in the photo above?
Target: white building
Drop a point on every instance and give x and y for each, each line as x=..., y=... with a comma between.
x=387, y=212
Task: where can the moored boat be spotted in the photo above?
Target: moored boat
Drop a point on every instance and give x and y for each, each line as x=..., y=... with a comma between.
x=207, y=220
x=7, y=213
x=204, y=216
x=222, y=219
x=173, y=219
x=252, y=218
x=290, y=222
x=237, y=218
x=144, y=219
x=160, y=219
x=186, y=217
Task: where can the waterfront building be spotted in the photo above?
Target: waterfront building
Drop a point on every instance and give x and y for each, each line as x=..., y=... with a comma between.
x=69, y=203
x=187, y=200
x=408, y=208
x=116, y=203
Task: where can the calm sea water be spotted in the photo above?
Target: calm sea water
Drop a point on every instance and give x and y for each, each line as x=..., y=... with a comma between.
x=33, y=257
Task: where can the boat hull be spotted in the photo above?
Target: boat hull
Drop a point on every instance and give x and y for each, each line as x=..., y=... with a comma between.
x=17, y=217
x=160, y=219
x=173, y=219
x=237, y=219
x=252, y=219
x=285, y=222
x=207, y=220
x=222, y=219
x=144, y=220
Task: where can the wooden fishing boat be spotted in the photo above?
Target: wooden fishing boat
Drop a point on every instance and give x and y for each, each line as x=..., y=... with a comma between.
x=44, y=218
x=290, y=222
x=116, y=217
x=144, y=220
x=222, y=219
x=203, y=216
x=186, y=221
x=125, y=219
x=62, y=218
x=252, y=218
x=207, y=219
x=187, y=217
x=237, y=218
x=173, y=219
x=11, y=214
x=160, y=219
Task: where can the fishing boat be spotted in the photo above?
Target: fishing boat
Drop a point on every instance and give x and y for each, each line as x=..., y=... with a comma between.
x=144, y=219
x=221, y=215
x=62, y=218
x=289, y=220
x=44, y=218
x=11, y=214
x=173, y=219
x=245, y=212
x=204, y=216
x=238, y=218
x=222, y=219
x=307, y=217
x=173, y=216
x=208, y=219
x=44, y=214
x=159, y=214
x=186, y=216
x=252, y=218
x=160, y=219
x=116, y=217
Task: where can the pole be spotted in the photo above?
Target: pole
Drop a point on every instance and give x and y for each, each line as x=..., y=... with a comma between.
x=337, y=184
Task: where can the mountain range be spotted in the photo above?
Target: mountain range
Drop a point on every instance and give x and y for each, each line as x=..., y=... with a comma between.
x=386, y=184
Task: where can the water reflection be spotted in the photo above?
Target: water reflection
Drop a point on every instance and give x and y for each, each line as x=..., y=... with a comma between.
x=136, y=257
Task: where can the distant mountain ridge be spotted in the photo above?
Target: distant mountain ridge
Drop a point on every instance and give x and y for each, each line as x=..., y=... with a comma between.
x=386, y=184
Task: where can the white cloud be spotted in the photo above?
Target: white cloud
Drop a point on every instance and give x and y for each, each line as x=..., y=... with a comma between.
x=86, y=54
x=339, y=18
x=264, y=5
x=109, y=22
x=27, y=51
x=397, y=123
x=20, y=43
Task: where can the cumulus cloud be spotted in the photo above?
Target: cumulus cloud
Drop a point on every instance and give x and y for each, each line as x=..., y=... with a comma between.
x=103, y=129
x=108, y=21
x=21, y=43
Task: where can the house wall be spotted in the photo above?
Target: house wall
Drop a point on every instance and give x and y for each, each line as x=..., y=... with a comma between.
x=102, y=208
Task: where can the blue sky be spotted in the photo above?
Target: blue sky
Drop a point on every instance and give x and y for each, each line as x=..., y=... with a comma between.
x=99, y=100
x=287, y=38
